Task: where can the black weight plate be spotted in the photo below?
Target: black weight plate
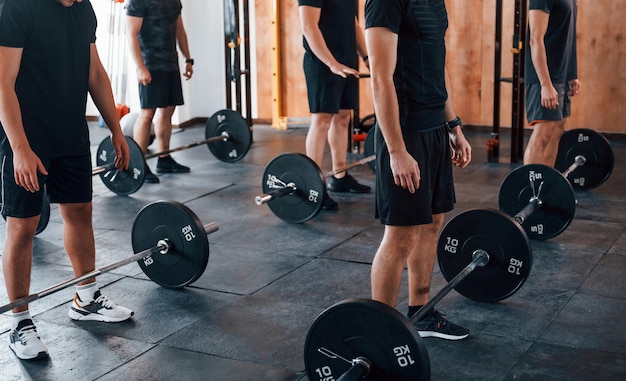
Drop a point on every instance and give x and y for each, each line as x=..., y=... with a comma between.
x=237, y=146
x=186, y=261
x=306, y=202
x=128, y=126
x=596, y=150
x=508, y=246
x=557, y=196
x=369, y=149
x=367, y=123
x=121, y=182
x=44, y=217
x=363, y=327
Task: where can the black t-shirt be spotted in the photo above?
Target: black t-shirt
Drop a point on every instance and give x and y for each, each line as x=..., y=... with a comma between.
x=560, y=41
x=419, y=76
x=157, y=36
x=337, y=26
x=53, y=78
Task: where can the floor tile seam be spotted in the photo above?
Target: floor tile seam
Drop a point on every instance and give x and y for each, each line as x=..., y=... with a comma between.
x=579, y=347
x=152, y=347
x=311, y=259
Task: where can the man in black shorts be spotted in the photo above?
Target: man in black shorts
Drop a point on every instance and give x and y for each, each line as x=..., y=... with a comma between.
x=332, y=38
x=48, y=64
x=550, y=75
x=155, y=27
x=414, y=187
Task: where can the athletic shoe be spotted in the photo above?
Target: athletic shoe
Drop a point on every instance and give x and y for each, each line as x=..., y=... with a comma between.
x=436, y=325
x=347, y=184
x=100, y=308
x=167, y=164
x=150, y=177
x=26, y=343
x=328, y=203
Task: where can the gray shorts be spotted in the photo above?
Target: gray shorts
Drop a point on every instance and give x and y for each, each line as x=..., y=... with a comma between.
x=536, y=113
x=395, y=205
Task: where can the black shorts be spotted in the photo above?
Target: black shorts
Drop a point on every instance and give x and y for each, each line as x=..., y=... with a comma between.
x=328, y=92
x=397, y=206
x=537, y=113
x=69, y=180
x=165, y=90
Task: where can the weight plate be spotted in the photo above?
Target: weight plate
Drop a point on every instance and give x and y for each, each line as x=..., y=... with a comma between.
x=121, y=182
x=44, y=216
x=557, y=197
x=306, y=202
x=240, y=136
x=596, y=150
x=363, y=327
x=188, y=256
x=368, y=148
x=367, y=123
x=127, y=122
x=508, y=246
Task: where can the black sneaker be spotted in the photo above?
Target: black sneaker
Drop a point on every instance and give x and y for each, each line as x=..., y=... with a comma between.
x=436, y=325
x=150, y=177
x=328, y=203
x=347, y=184
x=167, y=164
x=25, y=342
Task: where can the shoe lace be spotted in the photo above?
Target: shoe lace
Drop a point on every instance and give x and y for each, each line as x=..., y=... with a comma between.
x=104, y=301
x=28, y=333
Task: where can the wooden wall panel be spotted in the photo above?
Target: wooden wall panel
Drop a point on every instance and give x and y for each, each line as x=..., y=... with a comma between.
x=601, y=33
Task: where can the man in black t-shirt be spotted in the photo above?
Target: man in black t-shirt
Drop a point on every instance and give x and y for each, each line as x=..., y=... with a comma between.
x=155, y=28
x=551, y=76
x=332, y=37
x=418, y=133
x=48, y=64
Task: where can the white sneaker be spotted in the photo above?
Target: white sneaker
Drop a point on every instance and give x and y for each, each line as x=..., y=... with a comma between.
x=100, y=308
x=26, y=343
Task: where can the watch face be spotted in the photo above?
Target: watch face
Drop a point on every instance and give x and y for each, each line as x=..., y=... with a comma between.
x=190, y=61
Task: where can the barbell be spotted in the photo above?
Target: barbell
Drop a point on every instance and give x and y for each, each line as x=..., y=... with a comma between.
x=483, y=254
x=170, y=245
x=294, y=185
x=227, y=136
x=584, y=157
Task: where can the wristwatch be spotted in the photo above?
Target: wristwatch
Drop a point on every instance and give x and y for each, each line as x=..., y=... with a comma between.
x=189, y=61
x=455, y=122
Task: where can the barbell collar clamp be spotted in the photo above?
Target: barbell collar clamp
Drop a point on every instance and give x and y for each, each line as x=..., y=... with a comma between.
x=269, y=196
x=480, y=258
x=359, y=370
x=534, y=204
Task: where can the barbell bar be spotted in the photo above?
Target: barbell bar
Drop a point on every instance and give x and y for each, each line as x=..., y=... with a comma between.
x=585, y=158
x=483, y=254
x=170, y=244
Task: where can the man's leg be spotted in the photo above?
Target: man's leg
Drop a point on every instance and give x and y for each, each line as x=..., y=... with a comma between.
x=78, y=237
x=544, y=143
x=163, y=131
x=17, y=257
x=338, y=140
x=141, y=130
x=317, y=135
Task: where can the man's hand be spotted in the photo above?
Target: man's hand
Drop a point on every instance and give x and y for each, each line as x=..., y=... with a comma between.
x=26, y=164
x=460, y=147
x=122, y=152
x=406, y=171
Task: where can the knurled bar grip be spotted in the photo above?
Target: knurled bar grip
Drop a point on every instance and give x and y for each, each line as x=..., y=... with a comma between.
x=365, y=160
x=480, y=258
x=533, y=205
x=280, y=192
x=579, y=160
x=162, y=247
x=223, y=137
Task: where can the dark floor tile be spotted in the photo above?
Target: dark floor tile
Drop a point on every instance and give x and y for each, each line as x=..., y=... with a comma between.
x=253, y=329
x=159, y=311
x=165, y=364
x=360, y=248
x=590, y=321
x=75, y=354
x=607, y=278
x=559, y=362
x=619, y=246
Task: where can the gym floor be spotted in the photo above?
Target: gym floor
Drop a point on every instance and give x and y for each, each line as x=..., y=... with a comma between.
x=247, y=316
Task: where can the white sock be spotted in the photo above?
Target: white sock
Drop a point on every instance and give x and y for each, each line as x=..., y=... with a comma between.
x=17, y=317
x=86, y=291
